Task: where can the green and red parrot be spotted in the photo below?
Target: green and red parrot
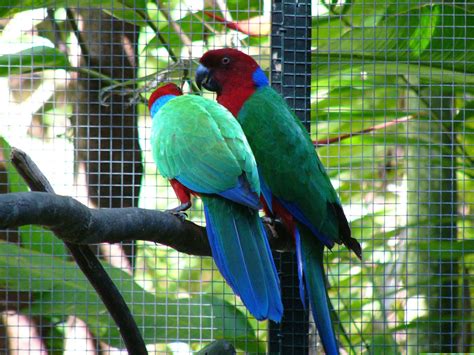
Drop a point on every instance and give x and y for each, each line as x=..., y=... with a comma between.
x=199, y=146
x=295, y=186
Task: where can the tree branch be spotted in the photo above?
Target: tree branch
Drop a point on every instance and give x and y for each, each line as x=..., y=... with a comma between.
x=78, y=225
x=327, y=141
x=234, y=25
x=73, y=222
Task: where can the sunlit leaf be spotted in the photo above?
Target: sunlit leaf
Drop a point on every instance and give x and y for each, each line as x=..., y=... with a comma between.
x=405, y=45
x=132, y=11
x=446, y=250
x=32, y=59
x=126, y=10
x=15, y=181
x=33, y=237
x=60, y=289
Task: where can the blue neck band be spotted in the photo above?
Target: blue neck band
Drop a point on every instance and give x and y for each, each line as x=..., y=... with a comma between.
x=159, y=104
x=259, y=78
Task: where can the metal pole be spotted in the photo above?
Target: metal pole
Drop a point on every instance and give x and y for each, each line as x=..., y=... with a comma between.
x=291, y=76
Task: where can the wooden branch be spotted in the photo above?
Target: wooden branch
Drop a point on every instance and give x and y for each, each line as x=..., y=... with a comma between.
x=187, y=42
x=378, y=127
x=78, y=225
x=84, y=257
x=73, y=222
x=233, y=25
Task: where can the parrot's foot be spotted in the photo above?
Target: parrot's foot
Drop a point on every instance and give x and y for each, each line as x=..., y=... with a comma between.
x=268, y=220
x=179, y=211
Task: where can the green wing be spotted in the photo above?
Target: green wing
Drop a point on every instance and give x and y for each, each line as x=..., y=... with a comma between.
x=200, y=143
x=287, y=160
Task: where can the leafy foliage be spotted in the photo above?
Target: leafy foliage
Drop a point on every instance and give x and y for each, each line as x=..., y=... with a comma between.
x=58, y=294
x=33, y=59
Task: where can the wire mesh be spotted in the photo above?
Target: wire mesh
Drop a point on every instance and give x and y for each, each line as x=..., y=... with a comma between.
x=386, y=90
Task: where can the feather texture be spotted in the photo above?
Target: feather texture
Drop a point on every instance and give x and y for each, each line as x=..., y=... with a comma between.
x=237, y=238
x=295, y=185
x=312, y=251
x=198, y=143
x=285, y=153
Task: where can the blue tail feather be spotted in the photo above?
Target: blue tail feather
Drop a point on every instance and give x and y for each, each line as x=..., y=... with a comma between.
x=299, y=261
x=312, y=251
x=242, y=254
x=274, y=313
x=211, y=235
x=243, y=194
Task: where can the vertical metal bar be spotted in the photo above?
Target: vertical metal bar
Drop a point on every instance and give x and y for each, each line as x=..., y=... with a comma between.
x=291, y=76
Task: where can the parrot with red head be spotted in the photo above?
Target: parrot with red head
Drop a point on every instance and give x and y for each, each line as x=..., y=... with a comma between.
x=295, y=186
x=201, y=149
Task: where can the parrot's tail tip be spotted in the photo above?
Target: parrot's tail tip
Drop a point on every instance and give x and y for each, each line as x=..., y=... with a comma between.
x=354, y=245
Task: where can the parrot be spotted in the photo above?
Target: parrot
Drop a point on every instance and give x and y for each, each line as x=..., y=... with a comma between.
x=201, y=149
x=294, y=183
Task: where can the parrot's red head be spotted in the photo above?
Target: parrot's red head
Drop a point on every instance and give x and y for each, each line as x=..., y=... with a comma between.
x=167, y=89
x=232, y=74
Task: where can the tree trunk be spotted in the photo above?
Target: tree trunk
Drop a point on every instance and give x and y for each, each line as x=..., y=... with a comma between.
x=106, y=137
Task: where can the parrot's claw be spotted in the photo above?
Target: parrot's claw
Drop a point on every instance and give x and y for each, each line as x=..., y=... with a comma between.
x=179, y=211
x=268, y=220
x=181, y=215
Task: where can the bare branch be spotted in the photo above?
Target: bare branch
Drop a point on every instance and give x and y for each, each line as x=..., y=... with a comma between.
x=236, y=26
x=177, y=27
x=377, y=127
x=76, y=223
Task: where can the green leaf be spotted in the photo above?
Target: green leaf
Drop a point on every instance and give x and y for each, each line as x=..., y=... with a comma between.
x=189, y=25
x=32, y=59
x=130, y=11
x=33, y=237
x=366, y=12
x=43, y=241
x=15, y=181
x=384, y=344
x=60, y=289
x=466, y=113
x=242, y=10
x=13, y=7
x=135, y=4
x=447, y=250
x=126, y=10
x=427, y=42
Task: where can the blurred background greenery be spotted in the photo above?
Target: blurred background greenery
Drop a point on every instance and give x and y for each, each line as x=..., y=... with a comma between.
x=392, y=112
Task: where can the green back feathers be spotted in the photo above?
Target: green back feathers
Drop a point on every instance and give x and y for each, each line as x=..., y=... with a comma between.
x=199, y=143
x=198, y=140
x=287, y=159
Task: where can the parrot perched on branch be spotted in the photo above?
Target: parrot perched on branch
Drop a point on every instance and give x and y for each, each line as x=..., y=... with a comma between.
x=201, y=149
x=294, y=183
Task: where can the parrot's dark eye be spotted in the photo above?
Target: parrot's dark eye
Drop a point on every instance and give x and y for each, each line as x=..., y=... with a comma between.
x=225, y=60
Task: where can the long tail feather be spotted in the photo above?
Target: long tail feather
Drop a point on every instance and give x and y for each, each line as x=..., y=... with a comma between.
x=312, y=254
x=299, y=260
x=242, y=254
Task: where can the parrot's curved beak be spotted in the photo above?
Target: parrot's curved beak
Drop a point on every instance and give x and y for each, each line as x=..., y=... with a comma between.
x=205, y=80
